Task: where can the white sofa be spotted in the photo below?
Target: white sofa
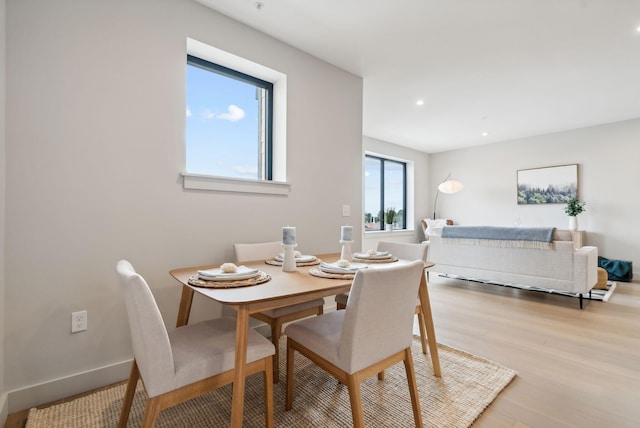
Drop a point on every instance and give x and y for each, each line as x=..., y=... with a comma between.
x=561, y=268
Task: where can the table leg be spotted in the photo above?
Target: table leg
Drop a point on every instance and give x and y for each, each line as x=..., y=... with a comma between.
x=428, y=320
x=237, y=400
x=185, y=306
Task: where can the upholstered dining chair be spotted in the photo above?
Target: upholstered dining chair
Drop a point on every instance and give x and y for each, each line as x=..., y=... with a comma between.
x=187, y=362
x=372, y=333
x=406, y=251
x=276, y=317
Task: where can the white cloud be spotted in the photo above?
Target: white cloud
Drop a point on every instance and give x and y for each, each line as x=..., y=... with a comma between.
x=234, y=114
x=207, y=114
x=188, y=112
x=246, y=170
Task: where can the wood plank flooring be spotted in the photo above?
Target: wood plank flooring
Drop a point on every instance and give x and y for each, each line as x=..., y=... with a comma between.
x=576, y=368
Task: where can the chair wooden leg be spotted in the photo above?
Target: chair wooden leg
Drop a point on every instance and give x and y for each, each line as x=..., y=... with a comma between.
x=423, y=332
x=289, y=395
x=276, y=331
x=413, y=387
x=356, y=401
x=129, y=394
x=268, y=392
x=340, y=306
x=381, y=375
x=151, y=412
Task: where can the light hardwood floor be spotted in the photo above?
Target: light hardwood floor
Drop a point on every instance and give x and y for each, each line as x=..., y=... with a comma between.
x=576, y=368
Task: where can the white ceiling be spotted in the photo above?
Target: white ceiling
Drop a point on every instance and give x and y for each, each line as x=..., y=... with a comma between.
x=512, y=68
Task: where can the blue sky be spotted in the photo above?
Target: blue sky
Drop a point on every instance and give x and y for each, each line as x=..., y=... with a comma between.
x=222, y=125
x=393, y=190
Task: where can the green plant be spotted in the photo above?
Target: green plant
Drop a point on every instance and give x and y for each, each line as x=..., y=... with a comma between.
x=390, y=215
x=574, y=207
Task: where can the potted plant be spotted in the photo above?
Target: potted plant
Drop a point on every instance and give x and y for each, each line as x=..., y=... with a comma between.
x=573, y=208
x=389, y=216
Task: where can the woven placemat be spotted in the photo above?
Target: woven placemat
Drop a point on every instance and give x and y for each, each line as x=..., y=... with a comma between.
x=322, y=274
x=260, y=279
x=387, y=260
x=276, y=262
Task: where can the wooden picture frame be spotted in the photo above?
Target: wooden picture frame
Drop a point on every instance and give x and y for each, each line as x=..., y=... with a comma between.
x=547, y=185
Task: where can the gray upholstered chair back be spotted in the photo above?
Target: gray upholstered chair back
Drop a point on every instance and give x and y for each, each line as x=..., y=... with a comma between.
x=259, y=251
x=149, y=337
x=404, y=250
x=378, y=320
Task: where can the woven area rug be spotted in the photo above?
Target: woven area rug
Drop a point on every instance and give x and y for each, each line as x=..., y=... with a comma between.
x=468, y=385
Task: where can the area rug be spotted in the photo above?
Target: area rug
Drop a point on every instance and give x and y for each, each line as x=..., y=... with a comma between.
x=468, y=385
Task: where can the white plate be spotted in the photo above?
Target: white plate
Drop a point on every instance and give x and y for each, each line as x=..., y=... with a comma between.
x=218, y=275
x=334, y=268
x=380, y=255
x=301, y=259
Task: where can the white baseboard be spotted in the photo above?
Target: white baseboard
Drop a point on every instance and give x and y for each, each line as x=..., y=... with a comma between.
x=46, y=392
x=56, y=389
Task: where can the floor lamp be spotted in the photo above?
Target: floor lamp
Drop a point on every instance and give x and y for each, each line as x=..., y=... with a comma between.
x=448, y=186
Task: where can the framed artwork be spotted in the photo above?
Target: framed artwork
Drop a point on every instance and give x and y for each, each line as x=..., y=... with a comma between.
x=549, y=185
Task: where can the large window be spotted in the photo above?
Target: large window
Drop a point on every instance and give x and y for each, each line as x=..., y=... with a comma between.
x=385, y=184
x=229, y=122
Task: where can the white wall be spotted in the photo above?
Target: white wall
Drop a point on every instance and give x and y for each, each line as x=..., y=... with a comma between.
x=418, y=189
x=95, y=145
x=3, y=395
x=608, y=179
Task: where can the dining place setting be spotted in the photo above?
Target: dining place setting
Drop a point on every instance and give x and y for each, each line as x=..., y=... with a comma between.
x=230, y=275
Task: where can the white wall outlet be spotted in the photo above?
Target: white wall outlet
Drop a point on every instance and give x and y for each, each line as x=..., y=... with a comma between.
x=346, y=210
x=78, y=321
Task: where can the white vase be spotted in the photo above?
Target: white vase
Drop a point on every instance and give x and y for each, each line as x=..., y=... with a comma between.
x=573, y=223
x=388, y=227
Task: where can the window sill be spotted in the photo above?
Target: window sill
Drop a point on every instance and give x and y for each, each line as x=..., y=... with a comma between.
x=234, y=185
x=398, y=232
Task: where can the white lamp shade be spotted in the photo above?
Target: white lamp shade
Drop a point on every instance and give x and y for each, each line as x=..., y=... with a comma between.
x=450, y=186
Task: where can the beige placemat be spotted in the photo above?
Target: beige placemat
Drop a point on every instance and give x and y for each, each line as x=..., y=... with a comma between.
x=260, y=279
x=387, y=260
x=322, y=274
x=276, y=262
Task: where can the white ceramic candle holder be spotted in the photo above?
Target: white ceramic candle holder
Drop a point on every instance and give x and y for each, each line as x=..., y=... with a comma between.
x=346, y=254
x=289, y=258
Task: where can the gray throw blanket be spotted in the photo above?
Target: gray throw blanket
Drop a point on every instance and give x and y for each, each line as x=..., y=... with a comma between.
x=497, y=236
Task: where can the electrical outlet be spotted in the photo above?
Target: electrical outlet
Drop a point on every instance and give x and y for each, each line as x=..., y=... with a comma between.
x=78, y=321
x=346, y=210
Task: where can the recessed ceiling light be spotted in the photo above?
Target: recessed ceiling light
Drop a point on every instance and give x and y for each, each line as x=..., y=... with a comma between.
x=485, y=134
x=420, y=102
x=259, y=5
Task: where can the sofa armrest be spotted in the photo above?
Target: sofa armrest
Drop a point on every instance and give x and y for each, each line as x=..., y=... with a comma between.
x=585, y=268
x=425, y=226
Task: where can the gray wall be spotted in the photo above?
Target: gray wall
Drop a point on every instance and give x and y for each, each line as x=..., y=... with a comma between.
x=3, y=392
x=608, y=179
x=95, y=147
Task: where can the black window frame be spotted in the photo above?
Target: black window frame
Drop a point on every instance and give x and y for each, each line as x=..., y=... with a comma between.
x=246, y=78
x=381, y=209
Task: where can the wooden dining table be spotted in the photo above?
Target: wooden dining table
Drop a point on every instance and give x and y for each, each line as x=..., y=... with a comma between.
x=284, y=289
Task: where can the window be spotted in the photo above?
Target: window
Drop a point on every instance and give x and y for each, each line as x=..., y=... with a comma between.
x=385, y=183
x=229, y=122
